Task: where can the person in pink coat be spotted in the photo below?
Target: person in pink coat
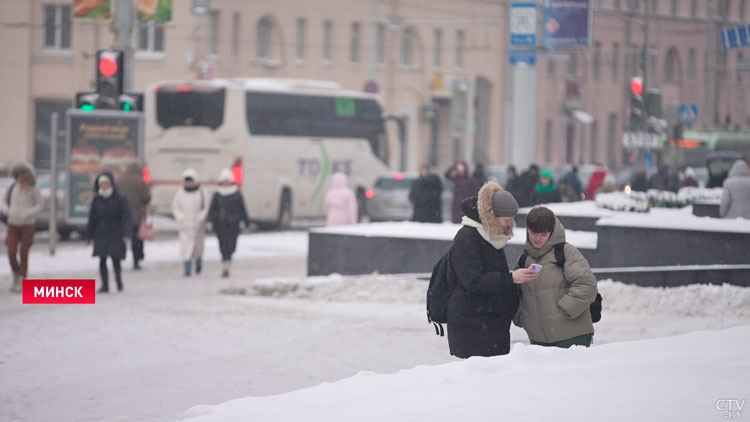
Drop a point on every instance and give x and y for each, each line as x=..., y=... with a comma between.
x=340, y=203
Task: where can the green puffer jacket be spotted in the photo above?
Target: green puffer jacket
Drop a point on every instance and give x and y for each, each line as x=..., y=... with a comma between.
x=555, y=306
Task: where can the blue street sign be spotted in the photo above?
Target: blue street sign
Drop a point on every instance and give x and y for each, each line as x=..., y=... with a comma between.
x=523, y=24
x=523, y=57
x=567, y=23
x=688, y=113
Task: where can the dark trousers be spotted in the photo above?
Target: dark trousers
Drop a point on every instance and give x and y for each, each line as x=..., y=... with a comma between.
x=23, y=235
x=105, y=274
x=137, y=245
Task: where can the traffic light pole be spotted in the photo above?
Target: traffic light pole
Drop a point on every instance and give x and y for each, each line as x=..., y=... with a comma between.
x=123, y=23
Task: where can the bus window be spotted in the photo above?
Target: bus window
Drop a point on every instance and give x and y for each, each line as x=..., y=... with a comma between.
x=184, y=105
x=315, y=116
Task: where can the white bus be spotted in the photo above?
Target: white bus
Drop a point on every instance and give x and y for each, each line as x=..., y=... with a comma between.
x=282, y=139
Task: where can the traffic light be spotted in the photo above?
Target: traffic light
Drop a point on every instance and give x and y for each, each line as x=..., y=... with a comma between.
x=130, y=101
x=637, y=109
x=110, y=75
x=86, y=101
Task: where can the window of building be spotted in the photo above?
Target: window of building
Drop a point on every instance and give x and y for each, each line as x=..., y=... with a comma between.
x=380, y=43
x=742, y=9
x=738, y=72
x=596, y=59
x=612, y=140
x=407, y=47
x=327, y=39
x=724, y=8
x=236, y=34
x=459, y=48
x=617, y=4
x=56, y=27
x=654, y=6
x=671, y=66
x=299, y=46
x=263, y=39
x=634, y=5
x=548, y=141
x=594, y=135
x=572, y=67
x=43, y=130
x=674, y=8
x=652, y=63
x=213, y=37
x=356, y=35
x=615, y=60
x=437, y=48
x=693, y=8
x=150, y=36
x=550, y=67
x=692, y=64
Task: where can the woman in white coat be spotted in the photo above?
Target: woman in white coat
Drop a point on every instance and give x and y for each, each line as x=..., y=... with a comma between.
x=190, y=207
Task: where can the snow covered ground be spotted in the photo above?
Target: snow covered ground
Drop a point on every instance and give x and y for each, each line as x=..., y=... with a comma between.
x=272, y=344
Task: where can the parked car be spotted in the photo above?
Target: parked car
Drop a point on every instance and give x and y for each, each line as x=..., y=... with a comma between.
x=42, y=220
x=388, y=200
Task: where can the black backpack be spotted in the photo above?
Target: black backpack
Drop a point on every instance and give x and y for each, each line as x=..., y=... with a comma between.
x=442, y=283
x=596, y=306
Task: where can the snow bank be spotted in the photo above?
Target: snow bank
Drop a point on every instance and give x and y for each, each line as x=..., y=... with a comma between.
x=685, y=377
x=698, y=300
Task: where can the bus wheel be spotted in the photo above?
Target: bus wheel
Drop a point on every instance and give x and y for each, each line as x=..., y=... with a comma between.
x=361, y=204
x=285, y=211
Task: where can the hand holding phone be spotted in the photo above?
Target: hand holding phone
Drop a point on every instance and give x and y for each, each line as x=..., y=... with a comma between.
x=535, y=267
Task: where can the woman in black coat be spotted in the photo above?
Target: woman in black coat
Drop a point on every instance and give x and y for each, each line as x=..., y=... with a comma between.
x=481, y=308
x=109, y=226
x=426, y=197
x=226, y=212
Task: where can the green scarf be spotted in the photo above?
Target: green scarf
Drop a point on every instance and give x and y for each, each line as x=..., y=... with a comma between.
x=544, y=189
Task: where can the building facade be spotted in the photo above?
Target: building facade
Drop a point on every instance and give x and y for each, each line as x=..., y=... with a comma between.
x=413, y=50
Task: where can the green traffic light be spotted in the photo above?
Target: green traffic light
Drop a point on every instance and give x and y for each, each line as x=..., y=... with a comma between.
x=127, y=107
x=87, y=107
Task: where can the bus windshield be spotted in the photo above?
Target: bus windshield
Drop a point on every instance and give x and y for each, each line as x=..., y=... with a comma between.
x=185, y=105
x=316, y=116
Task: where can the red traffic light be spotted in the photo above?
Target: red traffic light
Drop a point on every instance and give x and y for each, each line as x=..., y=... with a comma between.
x=107, y=65
x=636, y=86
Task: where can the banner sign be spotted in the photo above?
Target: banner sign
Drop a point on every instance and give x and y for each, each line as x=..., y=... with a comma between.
x=567, y=23
x=93, y=9
x=154, y=10
x=735, y=37
x=98, y=141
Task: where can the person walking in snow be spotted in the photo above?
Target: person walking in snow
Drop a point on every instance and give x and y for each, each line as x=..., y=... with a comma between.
x=464, y=186
x=425, y=196
x=190, y=208
x=340, y=204
x=481, y=308
x=554, y=307
x=545, y=191
x=21, y=204
x=735, y=201
x=226, y=212
x=110, y=227
x=138, y=195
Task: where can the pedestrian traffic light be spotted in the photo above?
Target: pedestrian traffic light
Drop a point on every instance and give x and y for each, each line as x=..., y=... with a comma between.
x=636, y=110
x=110, y=76
x=130, y=101
x=86, y=101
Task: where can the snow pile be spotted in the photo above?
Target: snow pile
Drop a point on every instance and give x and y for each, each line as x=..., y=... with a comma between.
x=687, y=377
x=621, y=201
x=693, y=195
x=697, y=300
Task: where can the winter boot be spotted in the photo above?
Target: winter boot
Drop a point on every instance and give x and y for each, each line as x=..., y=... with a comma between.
x=105, y=284
x=198, y=266
x=17, y=283
x=187, y=264
x=225, y=268
x=118, y=279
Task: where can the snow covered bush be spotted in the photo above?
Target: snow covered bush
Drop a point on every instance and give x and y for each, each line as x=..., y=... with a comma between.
x=621, y=201
x=642, y=202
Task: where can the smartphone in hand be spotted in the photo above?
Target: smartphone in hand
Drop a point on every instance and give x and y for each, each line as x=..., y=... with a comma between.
x=536, y=268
